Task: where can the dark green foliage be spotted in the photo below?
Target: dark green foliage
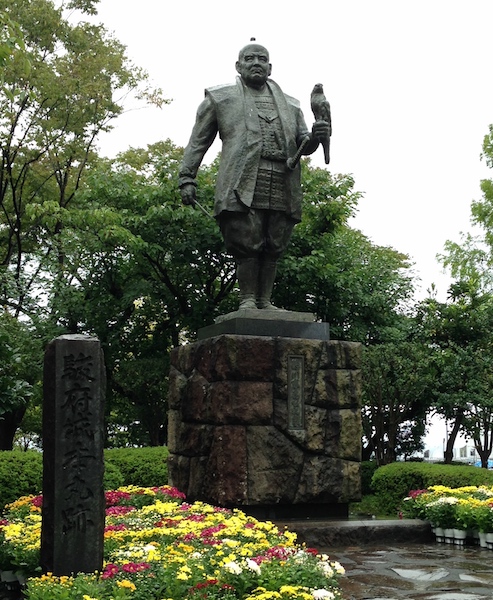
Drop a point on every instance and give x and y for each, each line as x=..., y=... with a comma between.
x=113, y=478
x=21, y=474
x=140, y=466
x=396, y=397
x=368, y=468
x=392, y=483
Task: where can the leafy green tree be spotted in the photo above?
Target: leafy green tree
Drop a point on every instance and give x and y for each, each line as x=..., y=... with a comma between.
x=396, y=399
x=62, y=83
x=143, y=272
x=20, y=375
x=458, y=332
x=462, y=327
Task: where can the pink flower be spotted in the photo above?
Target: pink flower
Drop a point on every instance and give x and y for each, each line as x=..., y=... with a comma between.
x=120, y=527
x=113, y=497
x=119, y=510
x=210, y=531
x=110, y=571
x=37, y=501
x=135, y=567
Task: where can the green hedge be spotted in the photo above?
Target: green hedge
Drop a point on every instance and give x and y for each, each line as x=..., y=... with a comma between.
x=140, y=466
x=21, y=473
x=391, y=483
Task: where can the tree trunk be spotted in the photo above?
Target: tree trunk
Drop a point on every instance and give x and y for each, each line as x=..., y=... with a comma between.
x=448, y=455
x=9, y=423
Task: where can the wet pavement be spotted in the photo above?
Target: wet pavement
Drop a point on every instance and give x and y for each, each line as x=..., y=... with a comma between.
x=400, y=560
x=415, y=571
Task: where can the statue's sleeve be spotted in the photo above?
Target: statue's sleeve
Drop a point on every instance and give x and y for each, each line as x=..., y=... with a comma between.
x=203, y=134
x=301, y=128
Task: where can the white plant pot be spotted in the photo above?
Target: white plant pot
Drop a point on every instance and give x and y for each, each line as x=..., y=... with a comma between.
x=449, y=535
x=460, y=537
x=489, y=540
x=440, y=534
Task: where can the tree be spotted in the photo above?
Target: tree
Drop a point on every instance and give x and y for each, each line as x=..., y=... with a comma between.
x=462, y=327
x=59, y=90
x=20, y=375
x=143, y=272
x=396, y=399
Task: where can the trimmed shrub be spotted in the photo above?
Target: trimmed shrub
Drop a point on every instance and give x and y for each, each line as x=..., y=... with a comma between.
x=113, y=477
x=21, y=474
x=392, y=483
x=147, y=467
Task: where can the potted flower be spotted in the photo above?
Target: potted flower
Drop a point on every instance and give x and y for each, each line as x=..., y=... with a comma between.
x=442, y=514
x=413, y=506
x=484, y=517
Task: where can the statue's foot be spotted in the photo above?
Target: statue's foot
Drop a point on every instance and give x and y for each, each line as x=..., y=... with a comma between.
x=267, y=305
x=247, y=304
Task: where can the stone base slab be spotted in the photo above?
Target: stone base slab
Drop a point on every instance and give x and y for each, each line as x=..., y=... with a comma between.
x=271, y=323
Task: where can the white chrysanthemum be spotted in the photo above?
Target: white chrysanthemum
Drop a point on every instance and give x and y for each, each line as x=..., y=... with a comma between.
x=338, y=568
x=253, y=566
x=323, y=594
x=326, y=569
x=233, y=567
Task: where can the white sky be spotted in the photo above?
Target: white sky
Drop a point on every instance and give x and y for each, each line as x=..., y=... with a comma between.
x=409, y=84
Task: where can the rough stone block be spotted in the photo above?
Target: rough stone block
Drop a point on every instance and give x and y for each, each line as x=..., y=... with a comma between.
x=177, y=385
x=179, y=472
x=274, y=466
x=246, y=402
x=227, y=467
x=344, y=434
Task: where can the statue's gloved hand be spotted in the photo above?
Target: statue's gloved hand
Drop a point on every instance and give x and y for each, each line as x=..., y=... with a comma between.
x=188, y=194
x=321, y=130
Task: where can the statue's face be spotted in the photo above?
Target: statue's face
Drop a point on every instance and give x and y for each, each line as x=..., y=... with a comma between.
x=253, y=65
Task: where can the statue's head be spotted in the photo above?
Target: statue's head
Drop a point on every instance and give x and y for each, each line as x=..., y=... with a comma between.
x=253, y=65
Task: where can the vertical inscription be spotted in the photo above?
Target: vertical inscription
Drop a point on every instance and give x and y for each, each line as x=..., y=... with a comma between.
x=77, y=432
x=296, y=385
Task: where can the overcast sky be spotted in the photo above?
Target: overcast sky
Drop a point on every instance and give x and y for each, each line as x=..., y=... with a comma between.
x=410, y=86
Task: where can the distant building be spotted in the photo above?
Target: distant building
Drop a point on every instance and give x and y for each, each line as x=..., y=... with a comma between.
x=466, y=454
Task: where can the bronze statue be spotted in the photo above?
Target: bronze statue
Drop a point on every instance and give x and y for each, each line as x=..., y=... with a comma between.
x=258, y=188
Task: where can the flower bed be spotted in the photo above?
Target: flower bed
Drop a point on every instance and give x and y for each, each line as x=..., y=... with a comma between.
x=468, y=508
x=158, y=546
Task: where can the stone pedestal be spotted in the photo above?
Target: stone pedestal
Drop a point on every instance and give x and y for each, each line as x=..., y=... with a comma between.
x=268, y=424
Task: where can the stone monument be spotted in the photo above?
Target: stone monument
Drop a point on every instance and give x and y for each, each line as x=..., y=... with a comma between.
x=264, y=408
x=73, y=465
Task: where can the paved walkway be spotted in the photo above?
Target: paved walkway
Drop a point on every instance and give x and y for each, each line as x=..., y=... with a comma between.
x=399, y=560
x=415, y=571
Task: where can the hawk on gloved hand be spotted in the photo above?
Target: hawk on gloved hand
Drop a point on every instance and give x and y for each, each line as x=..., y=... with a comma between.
x=321, y=112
